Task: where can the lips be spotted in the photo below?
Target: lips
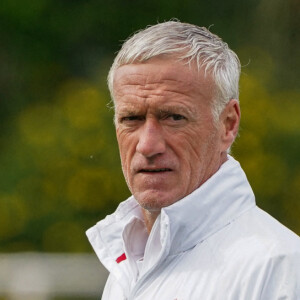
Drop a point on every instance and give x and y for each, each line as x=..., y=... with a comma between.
x=156, y=170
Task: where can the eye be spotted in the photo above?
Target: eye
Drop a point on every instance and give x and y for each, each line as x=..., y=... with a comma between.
x=177, y=117
x=173, y=119
x=129, y=119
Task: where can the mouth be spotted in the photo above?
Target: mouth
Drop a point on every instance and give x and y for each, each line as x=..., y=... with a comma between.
x=158, y=170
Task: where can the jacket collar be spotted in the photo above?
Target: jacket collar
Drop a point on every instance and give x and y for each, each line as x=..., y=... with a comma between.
x=218, y=202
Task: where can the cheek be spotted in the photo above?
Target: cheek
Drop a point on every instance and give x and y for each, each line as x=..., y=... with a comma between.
x=126, y=149
x=191, y=145
x=193, y=148
x=122, y=139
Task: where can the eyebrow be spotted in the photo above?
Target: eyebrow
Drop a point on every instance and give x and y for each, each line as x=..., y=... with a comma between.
x=127, y=109
x=175, y=109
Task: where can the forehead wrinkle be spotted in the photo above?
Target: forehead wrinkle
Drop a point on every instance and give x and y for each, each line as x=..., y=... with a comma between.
x=134, y=98
x=129, y=84
x=140, y=84
x=156, y=108
x=157, y=88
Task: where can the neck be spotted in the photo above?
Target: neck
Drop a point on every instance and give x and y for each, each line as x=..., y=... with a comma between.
x=150, y=217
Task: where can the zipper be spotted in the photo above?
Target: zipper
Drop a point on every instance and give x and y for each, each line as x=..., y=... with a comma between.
x=163, y=254
x=145, y=277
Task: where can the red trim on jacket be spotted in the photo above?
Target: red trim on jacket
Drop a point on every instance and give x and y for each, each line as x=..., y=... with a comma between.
x=121, y=258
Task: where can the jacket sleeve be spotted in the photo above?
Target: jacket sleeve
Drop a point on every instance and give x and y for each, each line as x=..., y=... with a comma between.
x=112, y=290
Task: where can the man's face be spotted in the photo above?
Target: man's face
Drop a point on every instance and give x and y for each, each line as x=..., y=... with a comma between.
x=169, y=144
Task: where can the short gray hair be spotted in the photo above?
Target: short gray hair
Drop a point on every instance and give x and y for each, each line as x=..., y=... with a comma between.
x=189, y=43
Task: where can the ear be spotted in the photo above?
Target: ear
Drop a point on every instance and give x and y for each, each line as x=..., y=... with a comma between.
x=230, y=120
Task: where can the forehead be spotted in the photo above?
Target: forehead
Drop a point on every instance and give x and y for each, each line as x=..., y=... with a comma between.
x=162, y=79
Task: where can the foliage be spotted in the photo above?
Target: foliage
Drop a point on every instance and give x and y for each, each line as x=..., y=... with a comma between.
x=66, y=173
x=268, y=148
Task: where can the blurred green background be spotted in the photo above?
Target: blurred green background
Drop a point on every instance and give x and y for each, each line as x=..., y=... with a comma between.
x=60, y=170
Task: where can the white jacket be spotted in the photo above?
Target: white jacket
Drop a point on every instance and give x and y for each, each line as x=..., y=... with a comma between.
x=214, y=244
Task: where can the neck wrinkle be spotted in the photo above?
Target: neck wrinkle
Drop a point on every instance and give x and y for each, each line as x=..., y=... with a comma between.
x=150, y=218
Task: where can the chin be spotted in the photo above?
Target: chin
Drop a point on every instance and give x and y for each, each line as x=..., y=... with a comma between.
x=154, y=201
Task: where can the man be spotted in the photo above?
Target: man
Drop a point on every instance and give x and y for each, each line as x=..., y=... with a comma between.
x=191, y=229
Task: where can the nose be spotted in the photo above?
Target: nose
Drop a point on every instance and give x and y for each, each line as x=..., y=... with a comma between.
x=151, y=140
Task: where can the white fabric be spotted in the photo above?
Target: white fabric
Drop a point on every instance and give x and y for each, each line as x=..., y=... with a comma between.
x=215, y=244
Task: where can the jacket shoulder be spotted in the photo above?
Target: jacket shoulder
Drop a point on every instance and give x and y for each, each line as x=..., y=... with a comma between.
x=256, y=232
